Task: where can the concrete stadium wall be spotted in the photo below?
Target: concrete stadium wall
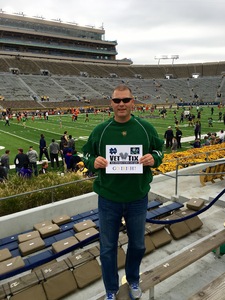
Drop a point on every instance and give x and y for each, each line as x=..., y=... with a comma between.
x=22, y=221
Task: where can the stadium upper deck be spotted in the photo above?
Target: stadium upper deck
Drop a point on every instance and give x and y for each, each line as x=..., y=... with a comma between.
x=67, y=62
x=25, y=36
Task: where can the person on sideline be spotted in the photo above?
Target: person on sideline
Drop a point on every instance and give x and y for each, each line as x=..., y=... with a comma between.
x=178, y=137
x=71, y=142
x=174, y=145
x=121, y=151
x=43, y=148
x=20, y=160
x=5, y=160
x=54, y=153
x=44, y=167
x=33, y=157
x=168, y=136
x=3, y=173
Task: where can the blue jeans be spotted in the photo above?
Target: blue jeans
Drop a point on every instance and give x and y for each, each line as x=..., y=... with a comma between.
x=110, y=215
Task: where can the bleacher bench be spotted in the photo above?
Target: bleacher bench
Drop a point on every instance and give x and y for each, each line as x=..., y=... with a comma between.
x=215, y=290
x=174, y=264
x=64, y=231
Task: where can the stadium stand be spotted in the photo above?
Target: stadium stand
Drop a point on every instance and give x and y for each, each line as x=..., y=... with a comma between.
x=66, y=62
x=68, y=65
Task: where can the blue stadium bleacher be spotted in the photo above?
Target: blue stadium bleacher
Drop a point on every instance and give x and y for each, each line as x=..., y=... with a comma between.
x=66, y=230
x=163, y=211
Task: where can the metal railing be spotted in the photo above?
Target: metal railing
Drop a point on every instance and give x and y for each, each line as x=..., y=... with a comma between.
x=177, y=175
x=51, y=188
x=212, y=162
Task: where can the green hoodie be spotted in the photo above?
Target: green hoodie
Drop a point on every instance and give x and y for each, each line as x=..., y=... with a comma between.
x=123, y=187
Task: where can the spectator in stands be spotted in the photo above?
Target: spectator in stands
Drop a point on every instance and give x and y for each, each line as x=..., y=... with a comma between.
x=5, y=160
x=196, y=143
x=82, y=170
x=222, y=136
x=54, y=151
x=206, y=141
x=213, y=139
x=169, y=137
x=33, y=157
x=43, y=148
x=122, y=195
x=44, y=167
x=20, y=160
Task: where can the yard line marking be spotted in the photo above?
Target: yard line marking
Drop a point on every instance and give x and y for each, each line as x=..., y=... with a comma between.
x=18, y=137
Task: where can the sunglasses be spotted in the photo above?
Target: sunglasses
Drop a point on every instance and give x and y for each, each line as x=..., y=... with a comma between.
x=118, y=100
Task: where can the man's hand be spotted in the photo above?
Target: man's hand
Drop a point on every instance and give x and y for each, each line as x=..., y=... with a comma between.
x=100, y=163
x=147, y=160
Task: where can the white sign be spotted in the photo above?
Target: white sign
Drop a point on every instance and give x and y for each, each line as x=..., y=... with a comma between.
x=124, y=159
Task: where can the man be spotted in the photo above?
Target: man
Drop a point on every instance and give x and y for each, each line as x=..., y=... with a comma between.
x=74, y=160
x=131, y=146
x=169, y=137
x=71, y=142
x=7, y=120
x=5, y=160
x=64, y=138
x=178, y=137
x=221, y=136
x=3, y=173
x=43, y=148
x=20, y=160
x=33, y=156
x=44, y=167
x=54, y=153
x=197, y=130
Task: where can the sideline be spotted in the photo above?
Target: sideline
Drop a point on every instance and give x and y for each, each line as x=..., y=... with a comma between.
x=192, y=138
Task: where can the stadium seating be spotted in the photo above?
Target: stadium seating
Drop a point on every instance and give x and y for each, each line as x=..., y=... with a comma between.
x=64, y=81
x=50, y=241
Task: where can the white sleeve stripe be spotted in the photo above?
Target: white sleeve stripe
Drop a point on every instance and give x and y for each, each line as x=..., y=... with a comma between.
x=159, y=153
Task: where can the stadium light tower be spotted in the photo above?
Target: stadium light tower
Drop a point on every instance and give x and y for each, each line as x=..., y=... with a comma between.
x=159, y=57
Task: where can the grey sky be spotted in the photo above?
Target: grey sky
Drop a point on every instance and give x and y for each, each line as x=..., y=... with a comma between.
x=192, y=29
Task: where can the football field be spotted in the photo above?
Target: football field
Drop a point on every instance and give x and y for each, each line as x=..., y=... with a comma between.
x=18, y=136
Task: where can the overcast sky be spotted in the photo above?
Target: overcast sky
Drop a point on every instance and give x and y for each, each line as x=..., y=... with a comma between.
x=192, y=29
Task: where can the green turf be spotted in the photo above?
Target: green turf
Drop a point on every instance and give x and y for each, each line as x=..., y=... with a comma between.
x=16, y=136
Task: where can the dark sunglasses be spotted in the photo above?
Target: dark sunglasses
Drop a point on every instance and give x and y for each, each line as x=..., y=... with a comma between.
x=118, y=100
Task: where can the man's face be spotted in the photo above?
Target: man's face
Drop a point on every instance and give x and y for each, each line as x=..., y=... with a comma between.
x=122, y=110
